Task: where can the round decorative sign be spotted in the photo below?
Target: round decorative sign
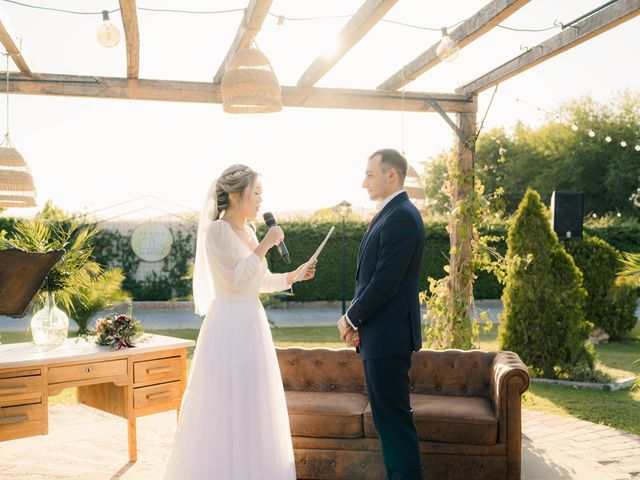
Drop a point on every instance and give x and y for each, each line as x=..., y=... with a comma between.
x=151, y=241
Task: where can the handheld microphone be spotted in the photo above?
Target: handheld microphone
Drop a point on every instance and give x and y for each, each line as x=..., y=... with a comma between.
x=270, y=220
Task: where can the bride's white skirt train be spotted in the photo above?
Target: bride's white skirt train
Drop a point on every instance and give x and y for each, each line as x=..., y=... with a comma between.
x=233, y=422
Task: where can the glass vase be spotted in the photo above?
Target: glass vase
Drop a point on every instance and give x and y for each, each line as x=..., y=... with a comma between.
x=50, y=325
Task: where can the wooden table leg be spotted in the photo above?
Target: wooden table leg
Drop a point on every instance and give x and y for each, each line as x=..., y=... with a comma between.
x=131, y=416
x=133, y=445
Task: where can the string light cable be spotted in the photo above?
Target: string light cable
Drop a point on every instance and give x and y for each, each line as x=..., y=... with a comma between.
x=281, y=18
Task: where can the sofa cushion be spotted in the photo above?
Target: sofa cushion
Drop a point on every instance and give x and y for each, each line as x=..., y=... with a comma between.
x=321, y=370
x=452, y=372
x=441, y=418
x=321, y=414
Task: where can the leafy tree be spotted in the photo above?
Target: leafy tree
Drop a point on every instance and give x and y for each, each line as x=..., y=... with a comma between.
x=555, y=157
x=433, y=178
x=51, y=213
x=101, y=292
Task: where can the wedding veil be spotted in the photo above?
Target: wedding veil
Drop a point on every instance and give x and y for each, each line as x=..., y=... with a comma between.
x=203, y=286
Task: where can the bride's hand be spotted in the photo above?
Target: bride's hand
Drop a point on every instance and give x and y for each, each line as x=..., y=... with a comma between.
x=311, y=271
x=274, y=236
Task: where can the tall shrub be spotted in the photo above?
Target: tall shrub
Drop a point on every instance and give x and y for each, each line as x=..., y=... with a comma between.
x=543, y=319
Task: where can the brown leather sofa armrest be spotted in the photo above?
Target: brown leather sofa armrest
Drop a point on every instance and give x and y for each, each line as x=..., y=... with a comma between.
x=509, y=380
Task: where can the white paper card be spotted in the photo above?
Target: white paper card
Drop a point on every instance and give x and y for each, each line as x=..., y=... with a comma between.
x=303, y=272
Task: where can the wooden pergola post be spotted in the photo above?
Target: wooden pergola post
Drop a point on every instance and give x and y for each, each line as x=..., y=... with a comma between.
x=460, y=226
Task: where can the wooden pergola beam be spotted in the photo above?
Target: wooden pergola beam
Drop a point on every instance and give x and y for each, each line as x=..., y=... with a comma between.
x=370, y=13
x=13, y=44
x=473, y=28
x=251, y=23
x=132, y=37
x=606, y=19
x=205, y=92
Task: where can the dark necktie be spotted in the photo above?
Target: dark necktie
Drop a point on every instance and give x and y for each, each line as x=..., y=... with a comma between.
x=373, y=220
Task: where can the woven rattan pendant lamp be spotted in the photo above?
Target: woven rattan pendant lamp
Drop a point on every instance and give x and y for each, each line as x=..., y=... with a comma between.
x=249, y=84
x=16, y=183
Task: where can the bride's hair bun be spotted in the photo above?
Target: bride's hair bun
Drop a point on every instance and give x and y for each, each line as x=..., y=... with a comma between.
x=235, y=179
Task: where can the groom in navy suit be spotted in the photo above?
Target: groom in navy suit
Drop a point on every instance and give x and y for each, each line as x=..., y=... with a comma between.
x=383, y=320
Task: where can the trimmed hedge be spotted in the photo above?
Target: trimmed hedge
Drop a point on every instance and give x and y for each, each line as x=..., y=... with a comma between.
x=302, y=239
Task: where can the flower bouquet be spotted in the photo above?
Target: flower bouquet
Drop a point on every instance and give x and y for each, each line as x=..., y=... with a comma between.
x=121, y=331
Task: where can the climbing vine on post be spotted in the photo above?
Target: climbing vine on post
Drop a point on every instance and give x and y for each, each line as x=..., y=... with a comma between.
x=452, y=321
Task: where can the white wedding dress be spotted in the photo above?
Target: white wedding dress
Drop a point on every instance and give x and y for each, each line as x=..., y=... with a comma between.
x=233, y=422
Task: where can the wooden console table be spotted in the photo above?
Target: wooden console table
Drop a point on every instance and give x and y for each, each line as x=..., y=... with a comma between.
x=130, y=383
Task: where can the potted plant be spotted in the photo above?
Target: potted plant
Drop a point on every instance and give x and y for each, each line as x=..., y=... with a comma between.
x=65, y=283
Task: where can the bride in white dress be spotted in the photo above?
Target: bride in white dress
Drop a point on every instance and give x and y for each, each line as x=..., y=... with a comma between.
x=233, y=423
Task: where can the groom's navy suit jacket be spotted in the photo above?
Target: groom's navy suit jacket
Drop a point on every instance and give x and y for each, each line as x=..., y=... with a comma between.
x=385, y=306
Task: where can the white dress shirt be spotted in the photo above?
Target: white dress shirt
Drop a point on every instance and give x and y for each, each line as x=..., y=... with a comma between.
x=379, y=208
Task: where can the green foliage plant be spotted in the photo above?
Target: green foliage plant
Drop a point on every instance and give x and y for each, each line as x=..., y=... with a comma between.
x=543, y=319
x=611, y=301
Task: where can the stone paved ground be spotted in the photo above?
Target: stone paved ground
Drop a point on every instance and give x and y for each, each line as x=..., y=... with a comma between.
x=605, y=452
x=87, y=444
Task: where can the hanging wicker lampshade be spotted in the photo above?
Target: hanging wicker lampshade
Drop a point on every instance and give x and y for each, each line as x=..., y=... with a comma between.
x=249, y=84
x=16, y=183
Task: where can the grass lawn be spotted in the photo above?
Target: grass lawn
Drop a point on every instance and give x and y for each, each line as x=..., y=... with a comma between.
x=617, y=409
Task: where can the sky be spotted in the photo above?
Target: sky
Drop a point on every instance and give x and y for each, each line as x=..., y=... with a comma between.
x=89, y=154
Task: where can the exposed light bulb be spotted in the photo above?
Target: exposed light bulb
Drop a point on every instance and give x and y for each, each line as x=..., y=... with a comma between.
x=592, y=133
x=637, y=147
x=594, y=215
x=618, y=215
x=574, y=127
x=623, y=144
x=607, y=139
x=108, y=35
x=447, y=49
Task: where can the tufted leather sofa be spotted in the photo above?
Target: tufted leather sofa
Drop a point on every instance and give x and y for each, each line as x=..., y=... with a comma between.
x=466, y=406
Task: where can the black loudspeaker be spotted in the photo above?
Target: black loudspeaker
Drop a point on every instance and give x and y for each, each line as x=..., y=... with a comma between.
x=566, y=214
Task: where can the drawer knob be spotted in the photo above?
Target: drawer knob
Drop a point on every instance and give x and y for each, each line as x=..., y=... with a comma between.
x=13, y=390
x=87, y=370
x=155, y=370
x=155, y=396
x=13, y=419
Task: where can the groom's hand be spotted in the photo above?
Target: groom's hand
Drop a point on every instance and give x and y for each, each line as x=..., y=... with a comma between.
x=344, y=328
x=353, y=339
x=347, y=333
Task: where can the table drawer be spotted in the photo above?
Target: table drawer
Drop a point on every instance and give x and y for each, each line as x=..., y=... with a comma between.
x=159, y=370
x=87, y=371
x=156, y=395
x=21, y=421
x=20, y=390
